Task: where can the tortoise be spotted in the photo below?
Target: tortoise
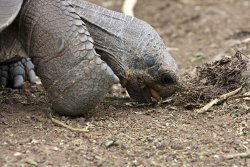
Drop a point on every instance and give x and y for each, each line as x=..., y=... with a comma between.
x=80, y=50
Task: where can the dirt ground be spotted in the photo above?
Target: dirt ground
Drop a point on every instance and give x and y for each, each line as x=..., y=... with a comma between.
x=122, y=134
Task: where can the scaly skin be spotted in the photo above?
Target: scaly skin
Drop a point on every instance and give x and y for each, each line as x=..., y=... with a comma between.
x=73, y=74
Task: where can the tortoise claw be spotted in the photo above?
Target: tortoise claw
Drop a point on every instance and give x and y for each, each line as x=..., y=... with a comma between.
x=16, y=74
x=29, y=69
x=18, y=81
x=3, y=75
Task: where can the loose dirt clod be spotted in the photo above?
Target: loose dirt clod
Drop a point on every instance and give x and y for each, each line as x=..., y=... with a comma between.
x=212, y=80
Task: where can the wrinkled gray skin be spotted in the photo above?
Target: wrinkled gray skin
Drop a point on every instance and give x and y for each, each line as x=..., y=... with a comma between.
x=64, y=38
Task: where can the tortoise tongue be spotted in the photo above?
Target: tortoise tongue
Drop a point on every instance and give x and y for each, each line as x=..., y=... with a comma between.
x=155, y=94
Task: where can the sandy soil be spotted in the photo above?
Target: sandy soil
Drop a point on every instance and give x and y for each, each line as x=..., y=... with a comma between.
x=123, y=134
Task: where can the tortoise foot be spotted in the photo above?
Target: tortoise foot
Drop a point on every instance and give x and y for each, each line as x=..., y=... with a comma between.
x=14, y=74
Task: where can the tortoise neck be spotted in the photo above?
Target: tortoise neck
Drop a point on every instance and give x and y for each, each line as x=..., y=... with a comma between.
x=109, y=31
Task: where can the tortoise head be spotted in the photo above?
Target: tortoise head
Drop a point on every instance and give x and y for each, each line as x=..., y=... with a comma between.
x=155, y=74
x=135, y=52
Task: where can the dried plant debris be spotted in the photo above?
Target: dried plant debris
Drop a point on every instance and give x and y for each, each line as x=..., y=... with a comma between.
x=29, y=94
x=212, y=80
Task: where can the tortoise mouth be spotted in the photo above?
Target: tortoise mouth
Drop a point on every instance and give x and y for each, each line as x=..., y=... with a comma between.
x=154, y=94
x=145, y=95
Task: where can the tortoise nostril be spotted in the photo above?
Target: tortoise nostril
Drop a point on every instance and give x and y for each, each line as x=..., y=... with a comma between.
x=149, y=60
x=166, y=79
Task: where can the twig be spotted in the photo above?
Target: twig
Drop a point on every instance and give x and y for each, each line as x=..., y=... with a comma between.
x=128, y=7
x=172, y=49
x=120, y=99
x=245, y=97
x=217, y=100
x=246, y=40
x=57, y=122
x=117, y=100
x=241, y=155
x=241, y=53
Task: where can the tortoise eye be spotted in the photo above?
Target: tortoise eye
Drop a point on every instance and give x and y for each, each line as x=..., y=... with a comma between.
x=166, y=79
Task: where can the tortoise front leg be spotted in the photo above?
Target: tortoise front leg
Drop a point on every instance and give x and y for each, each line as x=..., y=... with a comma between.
x=72, y=73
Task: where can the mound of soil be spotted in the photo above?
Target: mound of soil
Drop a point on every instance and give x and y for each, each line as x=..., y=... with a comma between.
x=212, y=80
